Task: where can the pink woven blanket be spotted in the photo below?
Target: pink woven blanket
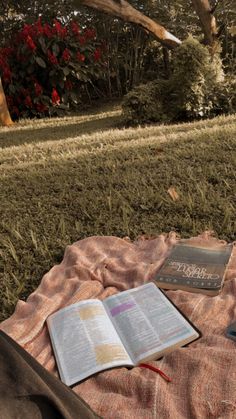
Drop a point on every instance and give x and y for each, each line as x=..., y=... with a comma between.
x=203, y=374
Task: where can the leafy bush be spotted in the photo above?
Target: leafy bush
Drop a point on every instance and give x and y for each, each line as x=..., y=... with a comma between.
x=45, y=67
x=195, y=76
x=144, y=103
x=196, y=88
x=224, y=96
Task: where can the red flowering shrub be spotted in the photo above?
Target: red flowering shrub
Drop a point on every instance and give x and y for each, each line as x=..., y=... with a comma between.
x=44, y=66
x=66, y=55
x=30, y=43
x=55, y=97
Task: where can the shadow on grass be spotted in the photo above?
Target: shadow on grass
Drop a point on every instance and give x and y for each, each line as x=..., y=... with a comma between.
x=54, y=132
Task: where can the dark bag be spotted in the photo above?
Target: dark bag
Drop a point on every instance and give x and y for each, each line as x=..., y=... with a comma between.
x=29, y=391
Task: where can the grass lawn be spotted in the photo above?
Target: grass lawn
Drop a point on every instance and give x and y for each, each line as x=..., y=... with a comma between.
x=65, y=179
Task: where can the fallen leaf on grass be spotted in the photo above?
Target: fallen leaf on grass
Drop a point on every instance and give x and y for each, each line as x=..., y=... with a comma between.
x=172, y=192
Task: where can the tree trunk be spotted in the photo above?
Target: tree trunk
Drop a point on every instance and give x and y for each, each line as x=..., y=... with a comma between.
x=207, y=20
x=123, y=10
x=5, y=118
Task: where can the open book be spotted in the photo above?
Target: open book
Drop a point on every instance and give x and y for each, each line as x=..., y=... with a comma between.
x=195, y=268
x=123, y=330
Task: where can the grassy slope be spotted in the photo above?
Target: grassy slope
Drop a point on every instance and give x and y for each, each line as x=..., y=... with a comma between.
x=62, y=180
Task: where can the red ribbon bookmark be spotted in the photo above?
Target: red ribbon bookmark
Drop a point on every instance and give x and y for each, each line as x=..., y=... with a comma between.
x=155, y=369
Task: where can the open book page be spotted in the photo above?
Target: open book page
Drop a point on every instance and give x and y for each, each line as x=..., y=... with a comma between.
x=85, y=341
x=148, y=323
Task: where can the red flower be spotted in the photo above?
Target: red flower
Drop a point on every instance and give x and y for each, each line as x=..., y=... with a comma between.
x=66, y=55
x=90, y=33
x=30, y=43
x=57, y=25
x=97, y=54
x=28, y=101
x=55, y=97
x=82, y=40
x=27, y=31
x=47, y=30
x=59, y=30
x=39, y=26
x=52, y=58
x=64, y=32
x=80, y=57
x=38, y=89
x=75, y=28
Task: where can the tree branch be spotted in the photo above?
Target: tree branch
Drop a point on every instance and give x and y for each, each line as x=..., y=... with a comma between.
x=123, y=10
x=207, y=20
